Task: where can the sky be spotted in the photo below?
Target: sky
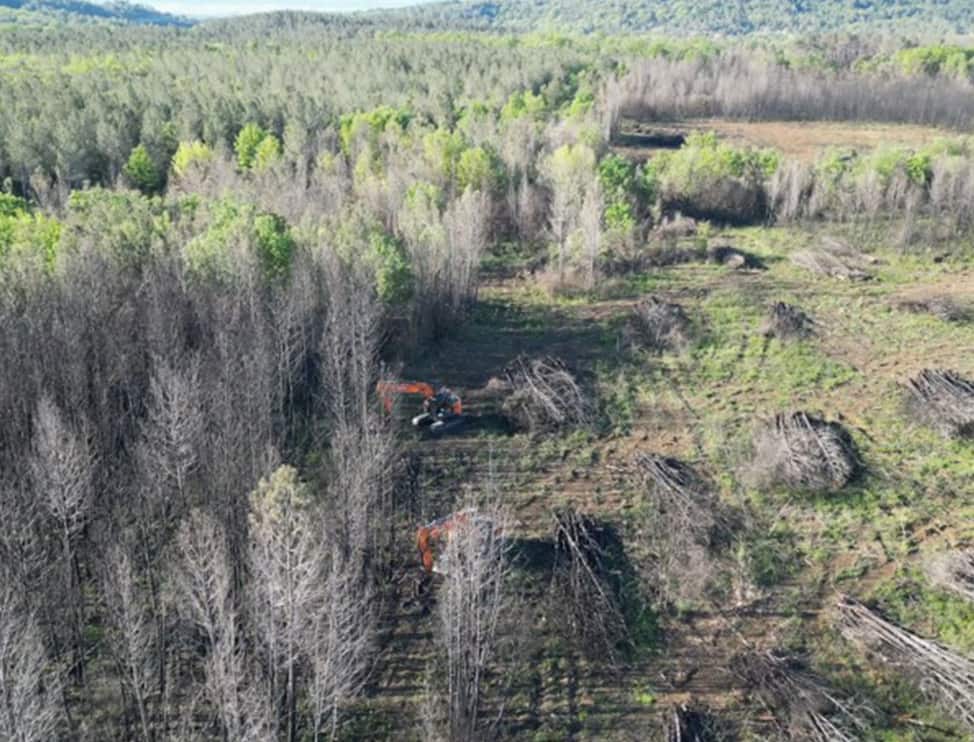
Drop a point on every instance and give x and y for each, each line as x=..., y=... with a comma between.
x=205, y=8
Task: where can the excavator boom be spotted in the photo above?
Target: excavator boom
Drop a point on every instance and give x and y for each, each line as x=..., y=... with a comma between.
x=388, y=389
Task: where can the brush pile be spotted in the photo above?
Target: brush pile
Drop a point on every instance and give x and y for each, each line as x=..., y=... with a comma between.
x=731, y=257
x=586, y=584
x=805, y=452
x=833, y=259
x=942, y=307
x=944, y=401
x=943, y=676
x=953, y=571
x=691, y=725
x=685, y=523
x=545, y=395
x=804, y=704
x=787, y=322
x=659, y=325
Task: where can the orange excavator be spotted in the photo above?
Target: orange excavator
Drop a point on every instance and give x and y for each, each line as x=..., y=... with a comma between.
x=431, y=539
x=442, y=409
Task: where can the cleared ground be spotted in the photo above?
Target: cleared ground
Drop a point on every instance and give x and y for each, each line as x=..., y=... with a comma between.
x=701, y=405
x=804, y=140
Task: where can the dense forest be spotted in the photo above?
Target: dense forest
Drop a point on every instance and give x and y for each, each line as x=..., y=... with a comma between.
x=54, y=11
x=216, y=241
x=680, y=17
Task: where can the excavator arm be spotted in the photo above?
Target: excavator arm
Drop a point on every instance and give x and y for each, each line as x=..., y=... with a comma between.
x=388, y=389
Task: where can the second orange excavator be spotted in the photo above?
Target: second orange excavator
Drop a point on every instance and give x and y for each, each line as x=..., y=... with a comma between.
x=442, y=409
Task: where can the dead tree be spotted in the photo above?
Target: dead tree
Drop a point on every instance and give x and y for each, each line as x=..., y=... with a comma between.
x=467, y=225
x=953, y=571
x=339, y=641
x=202, y=581
x=684, y=525
x=833, y=259
x=131, y=637
x=286, y=564
x=586, y=589
x=660, y=325
x=943, y=400
x=61, y=466
x=805, y=452
x=945, y=677
x=804, y=704
x=168, y=454
x=30, y=689
x=545, y=395
x=471, y=603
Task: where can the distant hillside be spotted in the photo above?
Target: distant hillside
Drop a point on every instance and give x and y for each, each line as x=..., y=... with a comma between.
x=78, y=9
x=685, y=17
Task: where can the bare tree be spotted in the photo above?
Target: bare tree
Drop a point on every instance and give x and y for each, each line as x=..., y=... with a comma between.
x=168, y=454
x=590, y=224
x=61, y=466
x=30, y=708
x=286, y=563
x=203, y=582
x=131, y=636
x=472, y=600
x=467, y=225
x=339, y=641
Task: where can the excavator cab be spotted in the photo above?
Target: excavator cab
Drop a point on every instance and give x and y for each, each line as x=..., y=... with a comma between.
x=442, y=409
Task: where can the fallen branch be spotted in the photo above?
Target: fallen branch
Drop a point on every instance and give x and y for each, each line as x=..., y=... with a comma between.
x=943, y=400
x=807, y=703
x=803, y=451
x=545, y=395
x=659, y=325
x=942, y=675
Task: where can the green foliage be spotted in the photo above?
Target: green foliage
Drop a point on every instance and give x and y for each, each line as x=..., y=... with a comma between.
x=620, y=190
x=393, y=274
x=254, y=143
x=267, y=153
x=122, y=224
x=682, y=18
x=954, y=61
x=275, y=245
x=371, y=124
x=707, y=177
x=11, y=205
x=479, y=168
x=570, y=165
x=443, y=150
x=190, y=156
x=233, y=226
x=361, y=242
x=141, y=172
x=524, y=104
x=28, y=235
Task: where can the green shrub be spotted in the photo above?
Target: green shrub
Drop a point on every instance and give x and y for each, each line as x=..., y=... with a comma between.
x=190, y=156
x=141, y=172
x=707, y=178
